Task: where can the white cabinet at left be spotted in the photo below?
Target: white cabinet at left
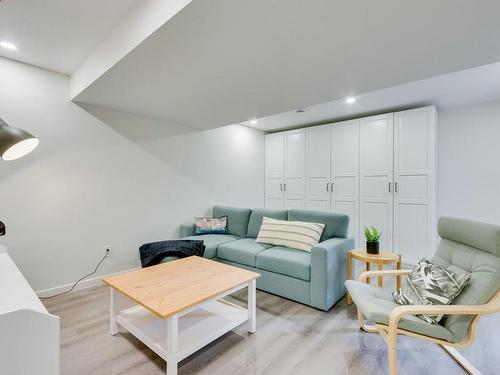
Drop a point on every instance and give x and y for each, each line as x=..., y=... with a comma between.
x=286, y=170
x=29, y=335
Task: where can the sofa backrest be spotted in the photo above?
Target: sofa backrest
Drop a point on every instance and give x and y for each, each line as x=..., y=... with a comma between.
x=473, y=247
x=237, y=219
x=256, y=219
x=336, y=225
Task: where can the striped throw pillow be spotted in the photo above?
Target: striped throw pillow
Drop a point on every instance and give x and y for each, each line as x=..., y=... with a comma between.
x=294, y=234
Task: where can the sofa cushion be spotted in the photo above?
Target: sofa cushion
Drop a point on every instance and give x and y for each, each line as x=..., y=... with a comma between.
x=243, y=251
x=258, y=214
x=336, y=225
x=290, y=262
x=212, y=241
x=376, y=304
x=237, y=219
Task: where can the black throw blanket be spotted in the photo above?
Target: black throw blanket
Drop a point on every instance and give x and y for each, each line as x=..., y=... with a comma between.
x=152, y=253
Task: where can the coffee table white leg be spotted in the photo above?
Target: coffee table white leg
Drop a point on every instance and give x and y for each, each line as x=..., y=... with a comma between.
x=172, y=342
x=113, y=327
x=252, y=320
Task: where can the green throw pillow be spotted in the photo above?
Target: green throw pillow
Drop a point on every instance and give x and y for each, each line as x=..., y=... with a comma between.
x=430, y=284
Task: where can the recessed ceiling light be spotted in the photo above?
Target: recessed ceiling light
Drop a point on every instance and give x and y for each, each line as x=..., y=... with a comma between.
x=8, y=45
x=350, y=100
x=253, y=122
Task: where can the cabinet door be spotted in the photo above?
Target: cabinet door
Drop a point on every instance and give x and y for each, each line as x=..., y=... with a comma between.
x=414, y=159
x=275, y=149
x=376, y=177
x=295, y=169
x=345, y=173
x=318, y=168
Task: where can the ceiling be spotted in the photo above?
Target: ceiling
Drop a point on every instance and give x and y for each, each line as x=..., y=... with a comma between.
x=58, y=34
x=219, y=62
x=475, y=85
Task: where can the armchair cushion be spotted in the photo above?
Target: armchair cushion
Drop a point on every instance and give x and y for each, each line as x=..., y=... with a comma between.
x=482, y=236
x=376, y=304
x=471, y=247
x=484, y=283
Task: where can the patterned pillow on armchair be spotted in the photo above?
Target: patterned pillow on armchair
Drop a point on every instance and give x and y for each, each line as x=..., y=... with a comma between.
x=430, y=284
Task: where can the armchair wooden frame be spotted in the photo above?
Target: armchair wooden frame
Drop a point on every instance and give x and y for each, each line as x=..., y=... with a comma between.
x=389, y=332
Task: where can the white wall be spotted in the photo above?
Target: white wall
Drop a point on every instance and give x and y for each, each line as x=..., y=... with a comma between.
x=469, y=187
x=91, y=184
x=469, y=162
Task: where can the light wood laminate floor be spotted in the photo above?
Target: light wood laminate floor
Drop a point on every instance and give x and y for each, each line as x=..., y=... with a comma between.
x=291, y=339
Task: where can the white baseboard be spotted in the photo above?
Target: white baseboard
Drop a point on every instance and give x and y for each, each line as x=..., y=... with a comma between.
x=84, y=284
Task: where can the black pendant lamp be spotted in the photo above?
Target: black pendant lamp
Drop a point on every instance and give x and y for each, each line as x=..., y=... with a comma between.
x=14, y=142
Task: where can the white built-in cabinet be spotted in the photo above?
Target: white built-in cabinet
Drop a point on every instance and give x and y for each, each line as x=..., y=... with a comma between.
x=345, y=172
x=379, y=170
x=318, y=163
x=415, y=179
x=332, y=170
x=285, y=170
x=275, y=171
x=376, y=177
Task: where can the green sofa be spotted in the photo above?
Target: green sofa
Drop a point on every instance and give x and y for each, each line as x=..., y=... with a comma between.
x=316, y=278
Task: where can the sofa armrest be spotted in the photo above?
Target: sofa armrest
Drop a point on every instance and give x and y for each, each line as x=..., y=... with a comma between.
x=187, y=230
x=329, y=271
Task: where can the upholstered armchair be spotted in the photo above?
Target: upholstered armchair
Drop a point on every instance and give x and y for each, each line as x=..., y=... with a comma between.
x=465, y=246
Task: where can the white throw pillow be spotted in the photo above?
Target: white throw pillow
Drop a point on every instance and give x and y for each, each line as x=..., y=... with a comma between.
x=294, y=234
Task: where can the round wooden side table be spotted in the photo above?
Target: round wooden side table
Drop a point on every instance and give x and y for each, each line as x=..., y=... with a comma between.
x=380, y=259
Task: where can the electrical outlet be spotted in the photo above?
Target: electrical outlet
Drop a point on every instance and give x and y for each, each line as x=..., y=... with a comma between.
x=106, y=251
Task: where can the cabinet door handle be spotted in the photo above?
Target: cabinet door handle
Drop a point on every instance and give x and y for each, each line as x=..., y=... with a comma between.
x=284, y=186
x=281, y=186
x=389, y=187
x=327, y=186
x=331, y=186
x=396, y=187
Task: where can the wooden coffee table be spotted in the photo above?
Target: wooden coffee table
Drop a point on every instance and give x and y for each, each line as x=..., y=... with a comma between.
x=380, y=259
x=179, y=307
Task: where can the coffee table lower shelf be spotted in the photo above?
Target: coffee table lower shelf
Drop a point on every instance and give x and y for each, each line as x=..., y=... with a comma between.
x=195, y=329
x=175, y=322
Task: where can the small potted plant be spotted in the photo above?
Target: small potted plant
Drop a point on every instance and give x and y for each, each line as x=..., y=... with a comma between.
x=372, y=236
